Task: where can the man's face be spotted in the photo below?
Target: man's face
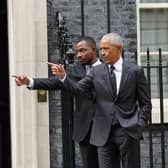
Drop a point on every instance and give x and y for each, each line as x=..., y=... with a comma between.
x=84, y=52
x=110, y=53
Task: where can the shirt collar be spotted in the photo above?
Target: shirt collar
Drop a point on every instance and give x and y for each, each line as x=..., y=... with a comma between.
x=96, y=63
x=118, y=64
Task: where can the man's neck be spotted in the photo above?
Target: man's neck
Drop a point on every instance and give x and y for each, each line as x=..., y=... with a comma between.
x=93, y=61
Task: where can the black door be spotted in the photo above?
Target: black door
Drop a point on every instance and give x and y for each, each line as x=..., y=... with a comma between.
x=5, y=154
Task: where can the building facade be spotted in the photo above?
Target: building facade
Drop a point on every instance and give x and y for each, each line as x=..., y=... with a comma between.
x=35, y=117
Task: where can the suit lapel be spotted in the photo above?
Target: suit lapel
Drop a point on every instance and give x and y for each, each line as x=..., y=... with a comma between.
x=124, y=76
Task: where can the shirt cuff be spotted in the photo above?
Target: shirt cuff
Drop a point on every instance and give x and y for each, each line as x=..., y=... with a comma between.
x=63, y=79
x=31, y=83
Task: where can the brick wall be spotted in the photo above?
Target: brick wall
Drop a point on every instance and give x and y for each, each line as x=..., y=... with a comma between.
x=123, y=20
x=54, y=96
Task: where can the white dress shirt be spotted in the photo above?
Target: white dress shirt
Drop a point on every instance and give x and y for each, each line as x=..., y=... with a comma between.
x=98, y=62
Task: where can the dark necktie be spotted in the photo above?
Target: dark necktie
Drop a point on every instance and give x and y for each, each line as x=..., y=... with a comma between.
x=114, y=87
x=113, y=81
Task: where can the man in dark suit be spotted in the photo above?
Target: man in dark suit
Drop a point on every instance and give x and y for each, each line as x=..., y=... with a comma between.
x=82, y=118
x=122, y=104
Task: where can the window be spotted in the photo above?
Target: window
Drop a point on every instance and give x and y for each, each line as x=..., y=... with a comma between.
x=152, y=30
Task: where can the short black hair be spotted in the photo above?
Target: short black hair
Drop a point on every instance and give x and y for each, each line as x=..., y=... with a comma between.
x=88, y=39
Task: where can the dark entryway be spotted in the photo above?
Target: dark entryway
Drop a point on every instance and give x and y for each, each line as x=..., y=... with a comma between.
x=5, y=154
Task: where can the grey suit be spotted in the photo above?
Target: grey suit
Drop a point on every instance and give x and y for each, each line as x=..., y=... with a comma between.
x=82, y=117
x=131, y=107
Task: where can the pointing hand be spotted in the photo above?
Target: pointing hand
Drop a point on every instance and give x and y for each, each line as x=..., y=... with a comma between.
x=21, y=80
x=57, y=69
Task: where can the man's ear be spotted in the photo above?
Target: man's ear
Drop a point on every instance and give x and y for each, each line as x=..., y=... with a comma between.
x=120, y=48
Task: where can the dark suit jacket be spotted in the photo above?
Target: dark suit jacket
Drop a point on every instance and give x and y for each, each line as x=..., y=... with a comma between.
x=132, y=106
x=82, y=117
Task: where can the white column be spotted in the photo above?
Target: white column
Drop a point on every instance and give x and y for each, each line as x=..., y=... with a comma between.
x=41, y=52
x=27, y=48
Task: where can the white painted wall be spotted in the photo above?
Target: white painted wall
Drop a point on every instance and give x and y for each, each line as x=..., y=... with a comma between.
x=27, y=24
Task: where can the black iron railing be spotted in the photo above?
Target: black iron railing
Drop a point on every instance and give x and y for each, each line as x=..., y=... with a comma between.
x=160, y=67
x=66, y=58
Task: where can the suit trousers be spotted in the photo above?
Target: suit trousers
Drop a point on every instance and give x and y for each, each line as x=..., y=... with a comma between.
x=121, y=150
x=89, y=153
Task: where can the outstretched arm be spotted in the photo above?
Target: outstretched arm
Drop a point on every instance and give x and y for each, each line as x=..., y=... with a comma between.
x=52, y=83
x=83, y=87
x=40, y=83
x=25, y=80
